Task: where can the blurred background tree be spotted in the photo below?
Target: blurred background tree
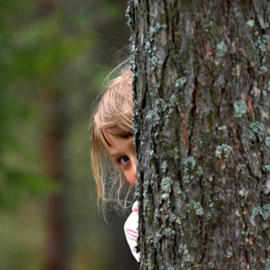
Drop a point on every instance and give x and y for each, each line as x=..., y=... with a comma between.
x=54, y=56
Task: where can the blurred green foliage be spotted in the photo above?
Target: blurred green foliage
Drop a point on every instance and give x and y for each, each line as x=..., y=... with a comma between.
x=35, y=51
x=53, y=54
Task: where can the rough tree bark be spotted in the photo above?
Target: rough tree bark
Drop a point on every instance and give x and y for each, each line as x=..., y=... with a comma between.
x=202, y=132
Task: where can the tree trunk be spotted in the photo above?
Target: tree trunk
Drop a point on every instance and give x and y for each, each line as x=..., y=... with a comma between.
x=56, y=257
x=55, y=129
x=202, y=132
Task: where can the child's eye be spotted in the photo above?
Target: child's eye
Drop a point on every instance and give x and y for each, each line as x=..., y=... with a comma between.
x=124, y=159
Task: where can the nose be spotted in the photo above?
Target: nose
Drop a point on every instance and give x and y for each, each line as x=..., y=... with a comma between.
x=134, y=166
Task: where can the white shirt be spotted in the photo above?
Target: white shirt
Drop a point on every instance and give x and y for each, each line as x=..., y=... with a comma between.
x=131, y=230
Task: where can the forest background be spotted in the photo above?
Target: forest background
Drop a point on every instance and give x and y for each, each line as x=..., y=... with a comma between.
x=53, y=59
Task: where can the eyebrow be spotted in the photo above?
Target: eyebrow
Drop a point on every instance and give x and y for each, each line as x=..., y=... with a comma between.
x=126, y=136
x=114, y=155
x=118, y=153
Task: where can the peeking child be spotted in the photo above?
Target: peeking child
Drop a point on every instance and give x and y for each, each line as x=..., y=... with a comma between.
x=113, y=151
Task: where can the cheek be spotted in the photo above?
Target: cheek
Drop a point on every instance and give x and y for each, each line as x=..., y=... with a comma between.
x=130, y=178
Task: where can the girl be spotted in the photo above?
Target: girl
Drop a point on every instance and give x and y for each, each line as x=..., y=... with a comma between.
x=113, y=149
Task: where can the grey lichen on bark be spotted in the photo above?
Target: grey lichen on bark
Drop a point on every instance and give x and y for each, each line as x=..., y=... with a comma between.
x=201, y=126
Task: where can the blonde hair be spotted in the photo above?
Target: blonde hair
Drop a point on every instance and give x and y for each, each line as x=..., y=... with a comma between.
x=113, y=115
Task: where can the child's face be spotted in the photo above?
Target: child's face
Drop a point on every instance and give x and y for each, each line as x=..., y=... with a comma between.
x=122, y=153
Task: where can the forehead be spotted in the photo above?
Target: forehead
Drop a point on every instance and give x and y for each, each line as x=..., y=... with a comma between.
x=116, y=144
x=108, y=138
